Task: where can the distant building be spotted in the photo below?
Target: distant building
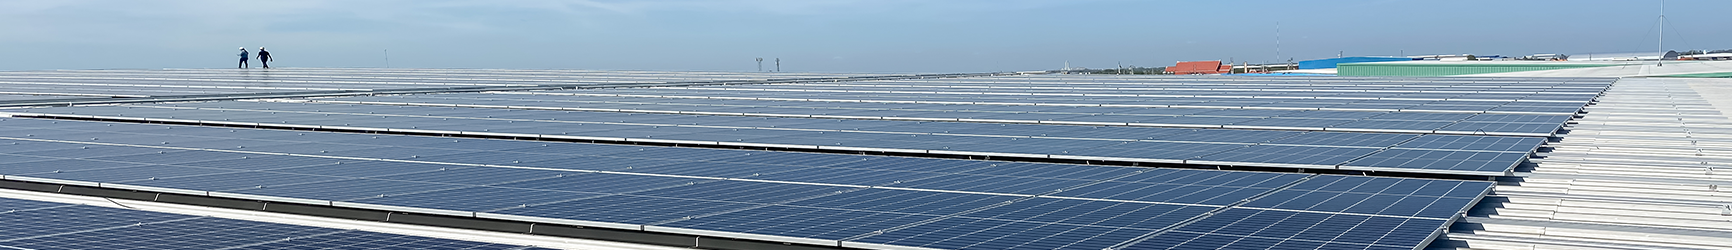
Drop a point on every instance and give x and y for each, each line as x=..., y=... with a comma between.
x=1629, y=56
x=1707, y=57
x=1545, y=57
x=1199, y=68
x=1331, y=62
x=1457, y=67
x=1460, y=57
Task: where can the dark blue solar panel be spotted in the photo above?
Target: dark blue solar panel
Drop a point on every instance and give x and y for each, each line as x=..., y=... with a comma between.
x=144, y=172
x=627, y=209
x=1495, y=127
x=971, y=233
x=1423, y=116
x=743, y=191
x=261, y=162
x=844, y=176
x=52, y=166
x=1445, y=188
x=818, y=223
x=1227, y=136
x=1290, y=155
x=1485, y=143
x=995, y=184
x=12, y=205
x=799, y=210
x=22, y=224
x=234, y=181
x=1548, y=119
x=1393, y=125
x=596, y=163
x=1377, y=140
x=1318, y=229
x=1364, y=203
x=1293, y=122
x=1066, y=171
x=365, y=168
x=344, y=189
x=1171, y=193
x=478, y=175
x=176, y=157
x=1213, y=178
x=605, y=183
x=905, y=201
x=478, y=199
x=1419, y=159
x=1099, y=213
x=371, y=240
x=1158, y=150
x=67, y=226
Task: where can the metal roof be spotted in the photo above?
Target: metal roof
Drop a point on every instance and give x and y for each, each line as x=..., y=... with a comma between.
x=1647, y=167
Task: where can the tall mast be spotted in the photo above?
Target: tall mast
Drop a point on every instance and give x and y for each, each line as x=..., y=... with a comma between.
x=1661, y=48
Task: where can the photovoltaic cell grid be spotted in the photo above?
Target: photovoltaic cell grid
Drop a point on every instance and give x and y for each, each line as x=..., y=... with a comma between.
x=48, y=225
x=1282, y=119
x=1513, y=96
x=62, y=84
x=1471, y=155
x=779, y=196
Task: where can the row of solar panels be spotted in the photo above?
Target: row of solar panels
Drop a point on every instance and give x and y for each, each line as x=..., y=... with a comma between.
x=1391, y=122
x=825, y=199
x=1444, y=154
x=140, y=83
x=1316, y=91
x=1146, y=80
x=31, y=224
x=1083, y=105
x=1088, y=84
x=1267, y=102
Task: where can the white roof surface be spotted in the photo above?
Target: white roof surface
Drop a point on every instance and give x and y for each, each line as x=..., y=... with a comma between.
x=1648, y=167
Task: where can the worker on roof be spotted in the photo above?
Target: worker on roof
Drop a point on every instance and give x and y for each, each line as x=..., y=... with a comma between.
x=264, y=57
x=243, y=63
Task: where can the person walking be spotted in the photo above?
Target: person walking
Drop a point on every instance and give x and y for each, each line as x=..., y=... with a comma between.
x=243, y=63
x=264, y=57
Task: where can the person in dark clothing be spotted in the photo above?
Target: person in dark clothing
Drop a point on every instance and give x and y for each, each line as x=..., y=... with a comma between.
x=264, y=57
x=243, y=63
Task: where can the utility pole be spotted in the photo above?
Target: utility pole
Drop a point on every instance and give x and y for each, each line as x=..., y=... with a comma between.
x=387, y=58
x=760, y=64
x=1277, y=41
x=778, y=64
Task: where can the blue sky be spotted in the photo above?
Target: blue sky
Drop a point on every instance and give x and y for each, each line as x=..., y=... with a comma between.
x=822, y=35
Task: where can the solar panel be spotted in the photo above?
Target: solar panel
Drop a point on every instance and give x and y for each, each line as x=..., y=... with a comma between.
x=823, y=198
x=48, y=225
x=1440, y=161
x=1453, y=142
x=1244, y=228
x=1173, y=146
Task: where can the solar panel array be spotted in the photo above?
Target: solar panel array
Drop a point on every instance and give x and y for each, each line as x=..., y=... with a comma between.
x=1452, y=126
x=1265, y=119
x=168, y=82
x=1392, y=152
x=43, y=225
x=857, y=201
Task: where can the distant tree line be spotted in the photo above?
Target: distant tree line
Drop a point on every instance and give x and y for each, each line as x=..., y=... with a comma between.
x=1125, y=71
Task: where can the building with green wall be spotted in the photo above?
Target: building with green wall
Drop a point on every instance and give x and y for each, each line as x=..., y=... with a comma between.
x=1455, y=68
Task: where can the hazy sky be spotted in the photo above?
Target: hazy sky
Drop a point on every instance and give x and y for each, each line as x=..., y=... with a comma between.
x=823, y=35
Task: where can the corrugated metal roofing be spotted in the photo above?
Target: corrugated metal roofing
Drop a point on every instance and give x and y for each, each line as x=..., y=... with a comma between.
x=1645, y=168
